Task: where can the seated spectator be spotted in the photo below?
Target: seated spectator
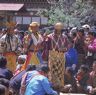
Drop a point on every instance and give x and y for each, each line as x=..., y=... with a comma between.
x=37, y=83
x=4, y=72
x=3, y=90
x=82, y=78
x=15, y=82
x=71, y=57
x=92, y=46
x=69, y=80
x=5, y=83
x=92, y=80
x=20, y=62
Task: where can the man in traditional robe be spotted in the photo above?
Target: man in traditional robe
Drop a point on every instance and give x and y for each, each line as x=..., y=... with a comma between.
x=32, y=45
x=59, y=40
x=59, y=45
x=10, y=46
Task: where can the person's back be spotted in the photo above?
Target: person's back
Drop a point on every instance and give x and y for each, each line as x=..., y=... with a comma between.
x=4, y=72
x=35, y=86
x=15, y=82
x=2, y=90
x=38, y=84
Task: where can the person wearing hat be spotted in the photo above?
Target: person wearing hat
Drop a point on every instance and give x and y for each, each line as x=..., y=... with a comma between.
x=86, y=28
x=10, y=45
x=33, y=45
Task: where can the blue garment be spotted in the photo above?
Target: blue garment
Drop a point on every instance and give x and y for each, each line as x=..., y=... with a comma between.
x=39, y=55
x=5, y=73
x=71, y=57
x=15, y=82
x=38, y=85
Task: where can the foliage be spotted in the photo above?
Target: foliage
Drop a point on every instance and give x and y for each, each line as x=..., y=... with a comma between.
x=70, y=12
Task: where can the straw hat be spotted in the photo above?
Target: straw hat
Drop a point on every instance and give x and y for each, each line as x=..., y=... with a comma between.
x=34, y=24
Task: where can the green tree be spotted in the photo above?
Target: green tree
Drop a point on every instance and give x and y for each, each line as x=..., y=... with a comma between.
x=70, y=12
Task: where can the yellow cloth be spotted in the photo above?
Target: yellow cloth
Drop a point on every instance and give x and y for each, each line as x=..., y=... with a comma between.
x=31, y=59
x=11, y=61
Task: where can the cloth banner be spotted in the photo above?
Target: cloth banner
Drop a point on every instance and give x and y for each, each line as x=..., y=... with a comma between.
x=11, y=61
x=57, y=66
x=31, y=59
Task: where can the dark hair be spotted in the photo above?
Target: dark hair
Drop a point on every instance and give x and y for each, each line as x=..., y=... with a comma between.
x=91, y=33
x=70, y=70
x=4, y=82
x=94, y=23
x=81, y=30
x=3, y=61
x=2, y=89
x=94, y=62
x=31, y=67
x=43, y=68
x=84, y=68
x=74, y=34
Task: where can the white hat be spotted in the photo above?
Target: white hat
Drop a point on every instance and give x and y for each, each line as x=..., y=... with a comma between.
x=86, y=26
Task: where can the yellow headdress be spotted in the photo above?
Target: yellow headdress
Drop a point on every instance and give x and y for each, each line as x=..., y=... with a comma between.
x=33, y=24
x=10, y=24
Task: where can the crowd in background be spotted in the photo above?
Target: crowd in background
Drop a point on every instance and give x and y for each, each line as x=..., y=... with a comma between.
x=78, y=46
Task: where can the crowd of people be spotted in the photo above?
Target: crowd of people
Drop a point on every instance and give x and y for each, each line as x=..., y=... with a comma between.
x=25, y=59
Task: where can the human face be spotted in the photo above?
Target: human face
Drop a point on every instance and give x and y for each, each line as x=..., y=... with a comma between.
x=10, y=30
x=20, y=61
x=90, y=36
x=34, y=29
x=58, y=27
x=94, y=67
x=79, y=34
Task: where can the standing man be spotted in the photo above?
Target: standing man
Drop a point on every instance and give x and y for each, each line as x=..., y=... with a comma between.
x=59, y=41
x=59, y=45
x=10, y=46
x=32, y=45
